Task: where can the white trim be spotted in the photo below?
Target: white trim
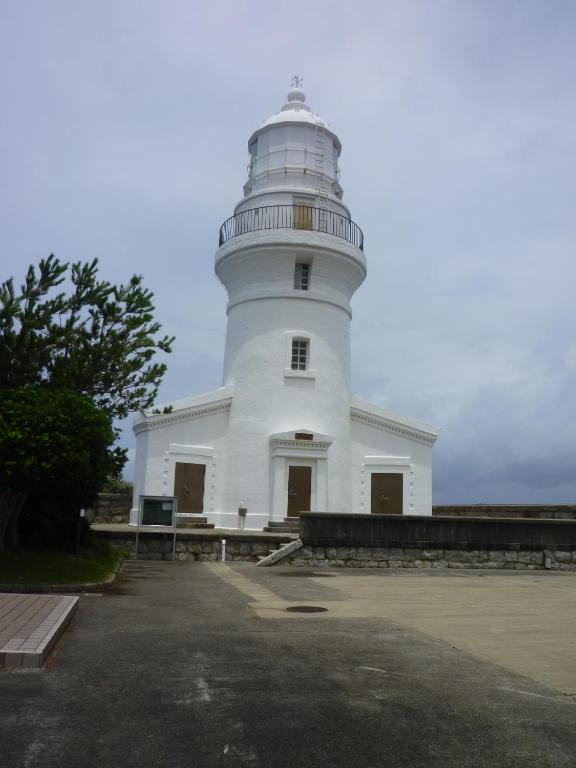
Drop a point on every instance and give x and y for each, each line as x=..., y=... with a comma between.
x=194, y=450
x=307, y=374
x=395, y=427
x=262, y=294
x=285, y=451
x=290, y=338
x=191, y=454
x=194, y=412
x=312, y=463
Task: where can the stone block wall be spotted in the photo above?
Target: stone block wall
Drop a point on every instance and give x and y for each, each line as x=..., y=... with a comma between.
x=110, y=508
x=522, y=511
x=158, y=546
x=438, y=533
x=417, y=557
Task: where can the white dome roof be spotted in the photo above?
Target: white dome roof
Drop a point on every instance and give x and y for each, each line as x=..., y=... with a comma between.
x=295, y=110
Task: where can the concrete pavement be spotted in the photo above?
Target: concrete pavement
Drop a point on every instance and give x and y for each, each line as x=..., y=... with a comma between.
x=200, y=664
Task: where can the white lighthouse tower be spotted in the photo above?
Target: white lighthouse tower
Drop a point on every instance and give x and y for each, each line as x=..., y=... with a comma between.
x=284, y=434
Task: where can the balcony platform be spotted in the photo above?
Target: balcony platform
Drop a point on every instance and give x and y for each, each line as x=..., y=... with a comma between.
x=299, y=217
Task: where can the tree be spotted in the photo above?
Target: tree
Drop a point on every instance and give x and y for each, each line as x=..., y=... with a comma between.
x=56, y=445
x=98, y=340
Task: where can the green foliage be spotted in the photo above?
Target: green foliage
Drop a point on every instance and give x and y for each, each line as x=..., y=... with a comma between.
x=30, y=566
x=166, y=409
x=98, y=340
x=76, y=352
x=55, y=445
x=117, y=485
x=56, y=442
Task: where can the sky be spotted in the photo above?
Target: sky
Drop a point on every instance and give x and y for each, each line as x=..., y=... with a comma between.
x=124, y=137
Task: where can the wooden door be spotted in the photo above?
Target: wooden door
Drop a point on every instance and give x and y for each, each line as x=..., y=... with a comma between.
x=299, y=489
x=387, y=493
x=302, y=216
x=189, y=486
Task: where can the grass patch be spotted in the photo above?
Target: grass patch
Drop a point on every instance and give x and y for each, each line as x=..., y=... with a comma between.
x=28, y=566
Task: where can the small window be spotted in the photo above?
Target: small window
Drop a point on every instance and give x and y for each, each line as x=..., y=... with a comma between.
x=299, y=354
x=301, y=276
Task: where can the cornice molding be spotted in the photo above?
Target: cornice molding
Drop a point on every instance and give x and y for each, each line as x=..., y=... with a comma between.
x=395, y=428
x=301, y=444
x=194, y=412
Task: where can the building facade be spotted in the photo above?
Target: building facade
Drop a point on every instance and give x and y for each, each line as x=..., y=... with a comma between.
x=284, y=434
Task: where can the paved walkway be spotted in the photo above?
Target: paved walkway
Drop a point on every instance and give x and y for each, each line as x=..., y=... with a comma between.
x=524, y=622
x=30, y=625
x=202, y=664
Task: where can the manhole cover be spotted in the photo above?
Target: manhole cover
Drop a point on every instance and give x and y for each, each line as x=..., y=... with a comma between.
x=306, y=609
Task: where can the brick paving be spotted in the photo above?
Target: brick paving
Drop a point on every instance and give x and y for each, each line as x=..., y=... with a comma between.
x=30, y=625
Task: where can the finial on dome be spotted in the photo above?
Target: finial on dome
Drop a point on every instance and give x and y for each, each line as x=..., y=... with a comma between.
x=296, y=97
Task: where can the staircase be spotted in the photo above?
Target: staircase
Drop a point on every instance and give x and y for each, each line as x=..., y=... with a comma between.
x=193, y=522
x=288, y=525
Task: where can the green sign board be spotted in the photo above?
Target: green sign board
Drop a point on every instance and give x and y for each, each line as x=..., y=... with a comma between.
x=157, y=510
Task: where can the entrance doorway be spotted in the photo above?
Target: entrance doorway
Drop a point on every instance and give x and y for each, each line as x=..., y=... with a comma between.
x=299, y=490
x=189, y=486
x=387, y=493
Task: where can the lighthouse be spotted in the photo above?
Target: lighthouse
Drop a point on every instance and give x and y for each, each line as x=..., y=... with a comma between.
x=284, y=434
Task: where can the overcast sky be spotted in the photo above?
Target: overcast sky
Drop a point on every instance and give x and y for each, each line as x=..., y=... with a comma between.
x=123, y=136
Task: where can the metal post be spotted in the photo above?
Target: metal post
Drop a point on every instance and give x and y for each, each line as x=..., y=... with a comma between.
x=174, y=524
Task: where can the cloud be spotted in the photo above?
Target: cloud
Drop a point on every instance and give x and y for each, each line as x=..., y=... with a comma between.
x=125, y=138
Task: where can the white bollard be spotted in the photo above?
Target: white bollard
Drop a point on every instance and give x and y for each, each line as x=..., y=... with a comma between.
x=223, y=550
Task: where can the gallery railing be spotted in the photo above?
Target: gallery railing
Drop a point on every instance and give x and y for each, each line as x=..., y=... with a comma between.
x=292, y=217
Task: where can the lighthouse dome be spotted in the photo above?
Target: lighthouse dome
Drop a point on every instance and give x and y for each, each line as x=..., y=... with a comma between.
x=294, y=152
x=296, y=110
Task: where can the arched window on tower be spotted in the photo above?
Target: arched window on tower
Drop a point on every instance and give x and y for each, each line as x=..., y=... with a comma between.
x=302, y=275
x=300, y=354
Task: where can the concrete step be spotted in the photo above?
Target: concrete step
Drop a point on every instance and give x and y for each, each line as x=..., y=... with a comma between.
x=293, y=522
x=193, y=522
x=286, y=526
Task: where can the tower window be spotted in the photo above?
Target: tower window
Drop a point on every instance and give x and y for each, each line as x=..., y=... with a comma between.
x=299, y=354
x=301, y=276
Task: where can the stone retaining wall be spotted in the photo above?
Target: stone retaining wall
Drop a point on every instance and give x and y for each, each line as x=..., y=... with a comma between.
x=414, y=557
x=158, y=546
x=110, y=508
x=482, y=534
x=522, y=511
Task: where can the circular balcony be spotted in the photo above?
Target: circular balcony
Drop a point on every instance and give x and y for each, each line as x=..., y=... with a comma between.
x=292, y=217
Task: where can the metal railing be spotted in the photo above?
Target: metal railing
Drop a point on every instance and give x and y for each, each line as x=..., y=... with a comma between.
x=292, y=217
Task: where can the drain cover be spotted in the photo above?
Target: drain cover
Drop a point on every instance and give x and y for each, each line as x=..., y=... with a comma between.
x=306, y=609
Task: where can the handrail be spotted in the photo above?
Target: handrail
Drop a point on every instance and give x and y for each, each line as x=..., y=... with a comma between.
x=292, y=217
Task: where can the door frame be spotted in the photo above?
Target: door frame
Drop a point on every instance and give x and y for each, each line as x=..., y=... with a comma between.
x=313, y=481
x=190, y=454
x=397, y=465
x=386, y=474
x=285, y=451
x=181, y=499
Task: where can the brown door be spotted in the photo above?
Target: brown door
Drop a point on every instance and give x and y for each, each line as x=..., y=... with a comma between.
x=302, y=217
x=387, y=493
x=299, y=487
x=189, y=486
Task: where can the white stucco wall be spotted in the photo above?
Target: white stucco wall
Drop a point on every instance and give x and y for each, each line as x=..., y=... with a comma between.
x=194, y=432
x=384, y=441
